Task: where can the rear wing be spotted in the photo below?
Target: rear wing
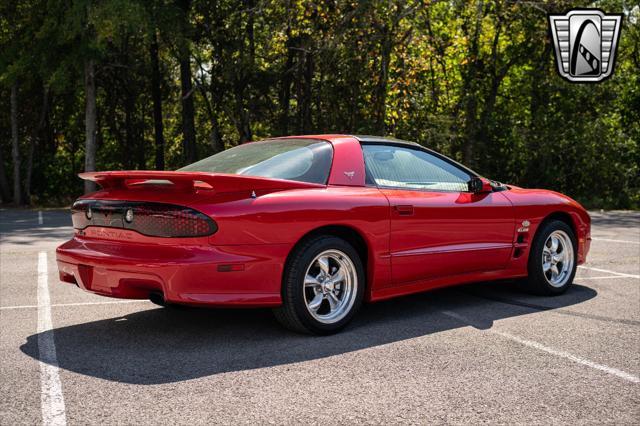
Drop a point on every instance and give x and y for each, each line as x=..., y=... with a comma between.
x=219, y=182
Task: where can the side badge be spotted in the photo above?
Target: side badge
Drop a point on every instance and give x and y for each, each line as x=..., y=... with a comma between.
x=525, y=226
x=350, y=175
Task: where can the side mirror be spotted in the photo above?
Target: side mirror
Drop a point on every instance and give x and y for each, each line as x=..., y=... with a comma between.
x=478, y=185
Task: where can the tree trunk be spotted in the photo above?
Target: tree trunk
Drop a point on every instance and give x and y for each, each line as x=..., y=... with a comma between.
x=285, y=86
x=308, y=92
x=215, y=137
x=156, y=95
x=217, y=144
x=29, y=171
x=243, y=93
x=37, y=136
x=470, y=89
x=186, y=87
x=139, y=127
x=15, y=147
x=130, y=148
x=243, y=119
x=188, y=109
x=297, y=84
x=250, y=4
x=383, y=80
x=90, y=122
x=5, y=193
x=217, y=88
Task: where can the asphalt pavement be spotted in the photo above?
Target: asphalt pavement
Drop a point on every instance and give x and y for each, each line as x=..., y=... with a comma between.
x=482, y=353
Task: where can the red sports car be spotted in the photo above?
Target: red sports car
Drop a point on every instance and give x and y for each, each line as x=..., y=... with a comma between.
x=313, y=226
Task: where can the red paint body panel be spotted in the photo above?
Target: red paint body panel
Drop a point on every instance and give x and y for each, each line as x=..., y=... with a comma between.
x=185, y=274
x=416, y=240
x=537, y=204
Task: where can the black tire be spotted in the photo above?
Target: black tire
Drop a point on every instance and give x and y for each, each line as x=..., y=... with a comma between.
x=537, y=282
x=158, y=300
x=293, y=313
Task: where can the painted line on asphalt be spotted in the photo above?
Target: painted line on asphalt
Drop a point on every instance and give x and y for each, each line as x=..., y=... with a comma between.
x=58, y=305
x=51, y=397
x=562, y=354
x=609, y=272
x=616, y=241
x=40, y=220
x=600, y=278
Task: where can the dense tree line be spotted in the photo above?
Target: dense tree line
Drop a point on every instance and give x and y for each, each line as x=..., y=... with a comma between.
x=132, y=84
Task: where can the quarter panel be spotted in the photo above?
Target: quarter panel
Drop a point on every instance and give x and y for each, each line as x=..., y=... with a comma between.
x=287, y=216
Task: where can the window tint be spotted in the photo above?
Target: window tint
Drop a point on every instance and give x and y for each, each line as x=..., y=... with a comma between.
x=399, y=167
x=304, y=160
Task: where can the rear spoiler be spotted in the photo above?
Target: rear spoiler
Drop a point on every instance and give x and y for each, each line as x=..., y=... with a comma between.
x=219, y=182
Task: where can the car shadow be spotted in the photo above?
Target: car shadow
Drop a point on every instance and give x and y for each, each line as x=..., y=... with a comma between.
x=167, y=345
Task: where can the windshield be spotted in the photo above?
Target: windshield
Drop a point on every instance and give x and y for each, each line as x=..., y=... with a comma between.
x=304, y=160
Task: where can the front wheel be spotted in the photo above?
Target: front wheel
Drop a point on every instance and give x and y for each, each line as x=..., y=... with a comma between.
x=553, y=259
x=323, y=286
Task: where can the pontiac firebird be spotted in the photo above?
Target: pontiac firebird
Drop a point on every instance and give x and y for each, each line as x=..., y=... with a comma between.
x=313, y=227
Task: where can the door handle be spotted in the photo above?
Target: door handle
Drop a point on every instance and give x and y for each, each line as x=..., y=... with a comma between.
x=404, y=210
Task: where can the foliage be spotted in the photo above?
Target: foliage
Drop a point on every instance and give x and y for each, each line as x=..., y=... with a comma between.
x=473, y=79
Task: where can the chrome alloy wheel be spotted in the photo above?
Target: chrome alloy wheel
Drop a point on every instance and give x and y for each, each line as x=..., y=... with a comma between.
x=557, y=258
x=330, y=286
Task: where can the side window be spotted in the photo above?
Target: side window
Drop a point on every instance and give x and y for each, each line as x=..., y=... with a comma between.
x=400, y=167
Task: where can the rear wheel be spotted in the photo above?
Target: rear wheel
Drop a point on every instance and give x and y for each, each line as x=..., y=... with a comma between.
x=323, y=286
x=553, y=259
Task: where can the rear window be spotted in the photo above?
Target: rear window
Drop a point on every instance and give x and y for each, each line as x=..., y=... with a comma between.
x=303, y=160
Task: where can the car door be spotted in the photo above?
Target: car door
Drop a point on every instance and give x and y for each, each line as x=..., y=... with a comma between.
x=438, y=228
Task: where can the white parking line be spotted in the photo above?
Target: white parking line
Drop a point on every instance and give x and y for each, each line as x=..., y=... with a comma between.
x=40, y=220
x=610, y=370
x=616, y=241
x=52, y=400
x=609, y=272
x=562, y=354
x=57, y=305
x=610, y=277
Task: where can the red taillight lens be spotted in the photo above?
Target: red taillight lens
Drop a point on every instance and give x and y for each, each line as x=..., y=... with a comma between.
x=158, y=220
x=152, y=219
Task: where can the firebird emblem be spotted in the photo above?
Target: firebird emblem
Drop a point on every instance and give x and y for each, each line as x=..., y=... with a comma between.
x=525, y=226
x=350, y=175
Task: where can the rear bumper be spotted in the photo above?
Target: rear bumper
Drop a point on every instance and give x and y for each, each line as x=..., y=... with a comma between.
x=191, y=275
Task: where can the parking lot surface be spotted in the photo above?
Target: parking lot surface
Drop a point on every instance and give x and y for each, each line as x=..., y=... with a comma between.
x=483, y=353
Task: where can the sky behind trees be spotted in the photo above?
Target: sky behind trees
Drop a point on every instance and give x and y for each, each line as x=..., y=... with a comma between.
x=157, y=84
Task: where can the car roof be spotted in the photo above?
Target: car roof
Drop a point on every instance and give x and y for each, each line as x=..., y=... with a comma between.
x=382, y=140
x=370, y=139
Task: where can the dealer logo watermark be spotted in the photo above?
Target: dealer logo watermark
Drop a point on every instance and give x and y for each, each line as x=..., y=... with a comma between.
x=585, y=41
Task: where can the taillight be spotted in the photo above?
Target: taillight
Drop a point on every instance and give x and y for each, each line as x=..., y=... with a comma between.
x=151, y=219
